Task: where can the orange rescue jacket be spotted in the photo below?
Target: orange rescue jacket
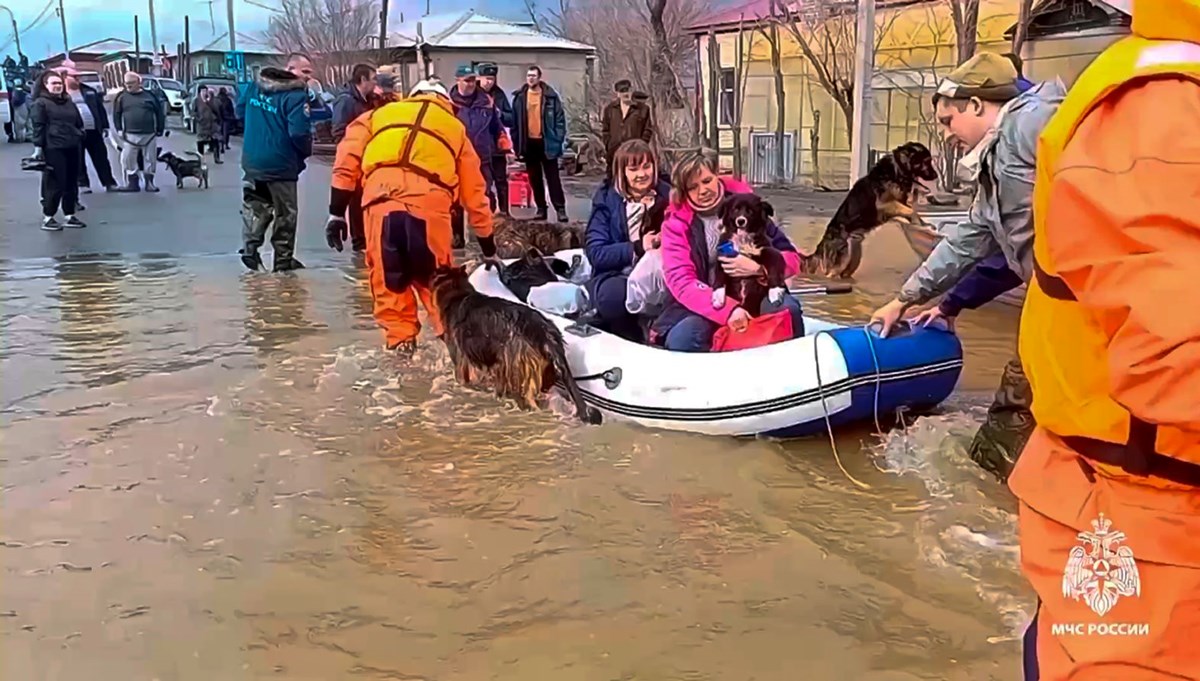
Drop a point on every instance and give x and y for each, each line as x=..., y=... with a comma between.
x=414, y=150
x=1110, y=333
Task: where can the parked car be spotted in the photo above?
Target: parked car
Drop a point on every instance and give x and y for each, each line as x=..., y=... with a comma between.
x=6, y=116
x=169, y=88
x=213, y=84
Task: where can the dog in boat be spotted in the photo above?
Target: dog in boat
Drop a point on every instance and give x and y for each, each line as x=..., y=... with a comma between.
x=530, y=271
x=520, y=349
x=186, y=167
x=514, y=238
x=885, y=193
x=744, y=220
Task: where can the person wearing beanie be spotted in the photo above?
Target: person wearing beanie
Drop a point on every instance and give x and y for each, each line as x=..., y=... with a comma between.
x=982, y=108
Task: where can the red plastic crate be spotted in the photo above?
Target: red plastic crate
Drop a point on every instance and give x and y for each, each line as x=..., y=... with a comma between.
x=519, y=193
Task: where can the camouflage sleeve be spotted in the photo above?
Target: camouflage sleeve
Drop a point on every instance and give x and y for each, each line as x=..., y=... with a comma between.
x=963, y=245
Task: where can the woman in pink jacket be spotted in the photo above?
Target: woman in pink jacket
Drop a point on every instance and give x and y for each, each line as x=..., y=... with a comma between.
x=690, y=234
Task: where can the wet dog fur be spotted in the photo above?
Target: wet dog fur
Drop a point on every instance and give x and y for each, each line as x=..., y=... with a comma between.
x=885, y=193
x=530, y=271
x=744, y=220
x=184, y=167
x=515, y=345
x=516, y=237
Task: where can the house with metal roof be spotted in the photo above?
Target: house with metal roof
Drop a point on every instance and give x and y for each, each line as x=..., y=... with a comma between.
x=87, y=57
x=437, y=44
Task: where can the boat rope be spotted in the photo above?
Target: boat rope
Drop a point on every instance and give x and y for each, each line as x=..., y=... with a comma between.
x=825, y=407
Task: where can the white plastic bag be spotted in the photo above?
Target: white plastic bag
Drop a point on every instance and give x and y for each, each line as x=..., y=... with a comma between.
x=558, y=297
x=647, y=292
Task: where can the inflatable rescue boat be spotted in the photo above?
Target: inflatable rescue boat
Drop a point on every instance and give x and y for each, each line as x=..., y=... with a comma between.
x=833, y=375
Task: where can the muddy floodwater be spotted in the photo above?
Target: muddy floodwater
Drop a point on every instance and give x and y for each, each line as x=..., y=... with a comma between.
x=208, y=474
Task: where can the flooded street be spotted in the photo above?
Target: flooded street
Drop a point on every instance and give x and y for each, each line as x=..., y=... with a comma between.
x=210, y=474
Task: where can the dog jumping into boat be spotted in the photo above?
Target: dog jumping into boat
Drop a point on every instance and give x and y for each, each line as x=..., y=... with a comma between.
x=516, y=237
x=184, y=167
x=515, y=345
x=885, y=193
x=744, y=220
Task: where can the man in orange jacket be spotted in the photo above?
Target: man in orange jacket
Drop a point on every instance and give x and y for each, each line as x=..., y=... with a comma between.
x=1109, y=484
x=414, y=161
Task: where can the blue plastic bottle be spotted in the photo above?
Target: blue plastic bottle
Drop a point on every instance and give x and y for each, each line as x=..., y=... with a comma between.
x=726, y=249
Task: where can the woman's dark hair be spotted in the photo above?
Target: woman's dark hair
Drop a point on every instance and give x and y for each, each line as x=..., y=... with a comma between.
x=631, y=153
x=46, y=75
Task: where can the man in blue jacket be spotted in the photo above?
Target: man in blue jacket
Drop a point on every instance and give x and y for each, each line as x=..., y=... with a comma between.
x=276, y=142
x=478, y=113
x=539, y=135
x=499, y=160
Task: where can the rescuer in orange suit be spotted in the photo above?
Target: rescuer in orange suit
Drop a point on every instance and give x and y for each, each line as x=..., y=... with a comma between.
x=414, y=161
x=1109, y=483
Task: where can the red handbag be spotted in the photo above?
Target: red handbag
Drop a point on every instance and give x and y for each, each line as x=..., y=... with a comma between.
x=764, y=330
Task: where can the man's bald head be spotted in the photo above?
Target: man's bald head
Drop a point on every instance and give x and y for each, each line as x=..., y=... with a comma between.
x=133, y=81
x=299, y=64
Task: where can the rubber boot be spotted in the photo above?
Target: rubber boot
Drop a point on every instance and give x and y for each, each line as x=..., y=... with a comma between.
x=131, y=184
x=217, y=154
x=150, y=184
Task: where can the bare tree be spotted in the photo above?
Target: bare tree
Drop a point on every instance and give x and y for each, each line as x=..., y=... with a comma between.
x=770, y=33
x=1021, y=32
x=966, y=26
x=334, y=33
x=826, y=33
x=737, y=99
x=645, y=41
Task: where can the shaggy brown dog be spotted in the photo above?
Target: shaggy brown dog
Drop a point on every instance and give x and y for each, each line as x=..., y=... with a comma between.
x=514, y=238
x=885, y=193
x=520, y=349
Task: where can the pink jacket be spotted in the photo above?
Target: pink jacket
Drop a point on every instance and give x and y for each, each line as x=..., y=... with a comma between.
x=681, y=261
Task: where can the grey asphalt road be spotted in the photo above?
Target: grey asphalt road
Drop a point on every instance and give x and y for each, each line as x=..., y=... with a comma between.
x=186, y=221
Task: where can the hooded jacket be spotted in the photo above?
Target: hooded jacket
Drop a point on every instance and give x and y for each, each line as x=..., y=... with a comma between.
x=278, y=127
x=1000, y=219
x=478, y=113
x=56, y=121
x=554, y=122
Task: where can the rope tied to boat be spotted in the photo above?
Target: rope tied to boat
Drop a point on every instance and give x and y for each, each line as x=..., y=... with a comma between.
x=825, y=406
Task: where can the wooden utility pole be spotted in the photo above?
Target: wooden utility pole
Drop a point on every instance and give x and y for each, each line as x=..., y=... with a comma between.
x=383, y=53
x=229, y=20
x=864, y=70
x=62, y=16
x=155, y=57
x=186, y=62
x=137, y=46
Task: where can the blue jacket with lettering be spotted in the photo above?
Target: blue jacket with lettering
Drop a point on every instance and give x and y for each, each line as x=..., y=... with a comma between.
x=278, y=128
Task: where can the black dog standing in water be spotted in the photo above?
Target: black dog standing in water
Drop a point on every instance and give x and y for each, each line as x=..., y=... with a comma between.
x=182, y=167
x=744, y=219
x=522, y=350
x=883, y=194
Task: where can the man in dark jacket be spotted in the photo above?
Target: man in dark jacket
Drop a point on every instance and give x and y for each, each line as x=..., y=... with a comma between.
x=206, y=116
x=276, y=142
x=539, y=134
x=624, y=119
x=499, y=160
x=95, y=124
x=478, y=113
x=352, y=102
x=138, y=121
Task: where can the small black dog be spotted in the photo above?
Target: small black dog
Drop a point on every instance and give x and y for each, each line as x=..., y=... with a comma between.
x=744, y=220
x=531, y=271
x=183, y=167
x=521, y=350
x=883, y=194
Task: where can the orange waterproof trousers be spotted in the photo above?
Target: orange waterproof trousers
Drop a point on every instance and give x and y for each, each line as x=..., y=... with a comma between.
x=1148, y=635
x=396, y=312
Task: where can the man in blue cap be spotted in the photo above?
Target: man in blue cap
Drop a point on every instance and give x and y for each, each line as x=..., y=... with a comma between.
x=487, y=83
x=479, y=115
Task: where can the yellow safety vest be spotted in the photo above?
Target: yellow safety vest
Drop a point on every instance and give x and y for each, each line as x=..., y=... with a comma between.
x=421, y=135
x=1063, y=349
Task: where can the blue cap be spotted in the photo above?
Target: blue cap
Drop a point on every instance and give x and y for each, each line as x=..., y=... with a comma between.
x=465, y=71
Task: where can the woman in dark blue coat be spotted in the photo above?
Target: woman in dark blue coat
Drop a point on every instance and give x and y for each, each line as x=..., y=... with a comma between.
x=627, y=213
